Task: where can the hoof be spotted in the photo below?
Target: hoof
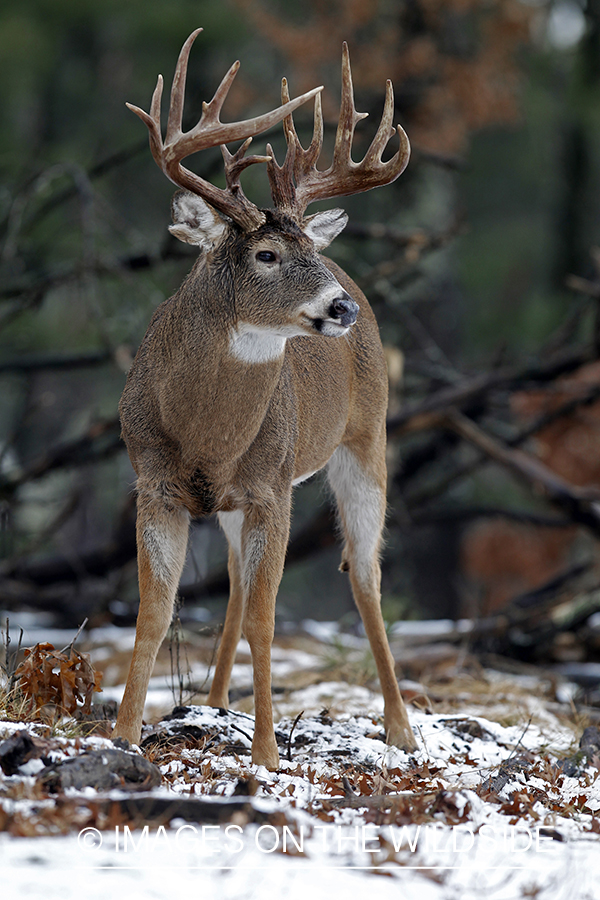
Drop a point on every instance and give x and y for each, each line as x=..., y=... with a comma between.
x=266, y=756
x=218, y=702
x=130, y=735
x=401, y=736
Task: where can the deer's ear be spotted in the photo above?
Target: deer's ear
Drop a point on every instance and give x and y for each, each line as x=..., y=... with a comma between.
x=195, y=221
x=323, y=227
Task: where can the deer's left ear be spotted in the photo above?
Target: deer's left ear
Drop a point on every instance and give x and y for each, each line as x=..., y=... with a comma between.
x=323, y=227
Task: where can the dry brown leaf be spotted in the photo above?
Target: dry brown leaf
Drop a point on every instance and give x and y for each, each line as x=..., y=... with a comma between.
x=68, y=682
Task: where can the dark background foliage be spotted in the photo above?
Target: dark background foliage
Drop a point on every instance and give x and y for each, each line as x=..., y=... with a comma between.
x=466, y=260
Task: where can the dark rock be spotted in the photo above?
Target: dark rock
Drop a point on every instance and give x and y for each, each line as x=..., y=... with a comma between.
x=472, y=729
x=102, y=770
x=16, y=750
x=506, y=773
x=180, y=735
x=571, y=765
x=589, y=747
x=179, y=712
x=147, y=809
x=590, y=741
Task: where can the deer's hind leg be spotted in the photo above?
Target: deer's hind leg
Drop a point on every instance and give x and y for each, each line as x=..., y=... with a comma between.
x=358, y=479
x=162, y=533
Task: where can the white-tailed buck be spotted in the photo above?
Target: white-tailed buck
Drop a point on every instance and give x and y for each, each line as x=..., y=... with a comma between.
x=264, y=367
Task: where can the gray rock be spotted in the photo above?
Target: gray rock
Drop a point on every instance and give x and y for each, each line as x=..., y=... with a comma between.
x=102, y=770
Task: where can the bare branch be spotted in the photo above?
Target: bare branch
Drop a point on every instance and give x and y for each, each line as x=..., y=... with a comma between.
x=582, y=505
x=101, y=440
x=56, y=363
x=420, y=415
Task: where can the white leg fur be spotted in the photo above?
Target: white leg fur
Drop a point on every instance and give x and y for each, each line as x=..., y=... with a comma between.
x=248, y=548
x=232, y=524
x=362, y=506
x=164, y=549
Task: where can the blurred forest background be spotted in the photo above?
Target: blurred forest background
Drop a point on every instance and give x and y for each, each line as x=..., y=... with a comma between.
x=480, y=262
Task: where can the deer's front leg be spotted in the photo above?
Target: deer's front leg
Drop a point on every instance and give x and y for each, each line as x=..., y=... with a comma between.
x=264, y=542
x=162, y=533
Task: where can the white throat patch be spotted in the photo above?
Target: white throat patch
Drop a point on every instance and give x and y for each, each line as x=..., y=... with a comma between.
x=253, y=344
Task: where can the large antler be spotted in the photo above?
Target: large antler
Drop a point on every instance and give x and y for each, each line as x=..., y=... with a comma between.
x=210, y=132
x=298, y=182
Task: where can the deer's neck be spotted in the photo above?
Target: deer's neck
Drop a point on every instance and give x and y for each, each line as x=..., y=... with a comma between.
x=222, y=407
x=254, y=345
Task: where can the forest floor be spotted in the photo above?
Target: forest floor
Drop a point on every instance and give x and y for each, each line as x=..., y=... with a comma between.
x=502, y=795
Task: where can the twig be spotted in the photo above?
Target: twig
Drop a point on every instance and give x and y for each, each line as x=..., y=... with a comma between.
x=77, y=633
x=289, y=746
x=515, y=748
x=10, y=659
x=176, y=670
x=241, y=731
x=12, y=664
x=348, y=790
x=6, y=650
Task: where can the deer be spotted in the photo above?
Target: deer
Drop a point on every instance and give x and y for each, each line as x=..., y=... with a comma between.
x=265, y=367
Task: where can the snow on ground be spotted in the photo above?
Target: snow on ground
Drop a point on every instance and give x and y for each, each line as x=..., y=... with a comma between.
x=483, y=806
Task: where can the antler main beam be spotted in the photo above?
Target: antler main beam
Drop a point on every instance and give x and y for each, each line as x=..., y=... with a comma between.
x=209, y=132
x=298, y=182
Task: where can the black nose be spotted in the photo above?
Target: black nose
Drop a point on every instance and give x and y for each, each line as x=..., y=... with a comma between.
x=345, y=309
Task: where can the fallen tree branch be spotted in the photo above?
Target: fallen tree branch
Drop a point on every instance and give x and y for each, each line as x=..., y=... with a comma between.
x=56, y=363
x=100, y=441
x=523, y=516
x=427, y=454
x=582, y=505
x=419, y=415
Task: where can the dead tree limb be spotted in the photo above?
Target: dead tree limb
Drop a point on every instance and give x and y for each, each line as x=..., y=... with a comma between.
x=100, y=441
x=582, y=505
x=416, y=416
x=27, y=364
x=468, y=513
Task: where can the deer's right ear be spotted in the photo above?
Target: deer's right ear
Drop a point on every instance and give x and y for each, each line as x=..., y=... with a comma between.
x=195, y=221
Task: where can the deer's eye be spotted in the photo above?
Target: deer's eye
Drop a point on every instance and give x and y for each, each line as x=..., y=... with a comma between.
x=266, y=256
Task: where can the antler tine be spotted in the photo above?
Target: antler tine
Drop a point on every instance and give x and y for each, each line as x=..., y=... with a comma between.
x=178, y=90
x=152, y=121
x=209, y=132
x=304, y=158
x=298, y=161
x=289, y=129
x=211, y=111
x=316, y=145
x=235, y=163
x=298, y=182
x=385, y=132
x=349, y=117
